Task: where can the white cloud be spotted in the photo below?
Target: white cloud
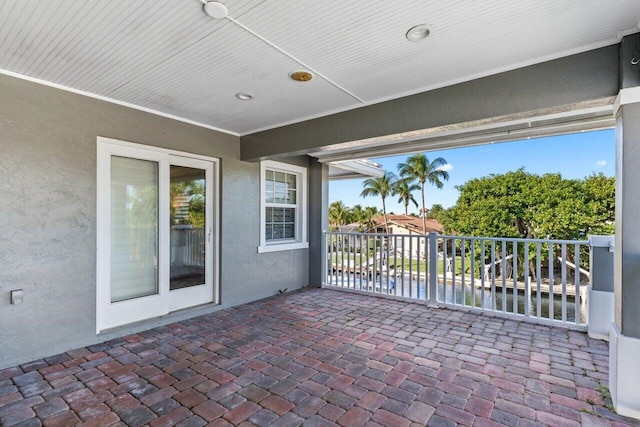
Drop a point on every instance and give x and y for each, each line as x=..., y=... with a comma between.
x=601, y=163
x=446, y=167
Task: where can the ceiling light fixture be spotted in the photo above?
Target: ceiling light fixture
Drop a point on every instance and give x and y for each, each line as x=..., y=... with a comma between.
x=216, y=10
x=417, y=33
x=244, y=96
x=301, y=76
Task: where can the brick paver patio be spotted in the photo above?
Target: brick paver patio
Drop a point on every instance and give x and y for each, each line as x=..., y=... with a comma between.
x=321, y=357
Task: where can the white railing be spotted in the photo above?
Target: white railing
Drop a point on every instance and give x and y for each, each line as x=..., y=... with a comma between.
x=545, y=280
x=188, y=247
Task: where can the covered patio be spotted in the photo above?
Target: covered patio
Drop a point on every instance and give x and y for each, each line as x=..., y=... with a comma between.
x=322, y=357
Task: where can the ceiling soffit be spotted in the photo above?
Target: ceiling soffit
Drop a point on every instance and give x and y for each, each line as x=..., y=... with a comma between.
x=170, y=57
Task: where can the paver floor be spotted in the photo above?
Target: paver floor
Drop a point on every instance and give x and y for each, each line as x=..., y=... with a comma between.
x=321, y=357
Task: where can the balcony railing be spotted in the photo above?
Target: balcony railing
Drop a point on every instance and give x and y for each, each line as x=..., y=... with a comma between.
x=544, y=280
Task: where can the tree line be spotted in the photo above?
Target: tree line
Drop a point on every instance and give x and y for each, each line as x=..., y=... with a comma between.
x=515, y=204
x=525, y=205
x=414, y=174
x=340, y=215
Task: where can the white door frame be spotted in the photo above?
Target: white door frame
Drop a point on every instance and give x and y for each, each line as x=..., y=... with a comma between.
x=110, y=315
x=199, y=294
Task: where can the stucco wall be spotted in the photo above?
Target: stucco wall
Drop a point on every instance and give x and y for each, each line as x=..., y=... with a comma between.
x=48, y=216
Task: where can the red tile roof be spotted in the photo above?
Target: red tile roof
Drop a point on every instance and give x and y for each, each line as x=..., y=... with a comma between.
x=412, y=223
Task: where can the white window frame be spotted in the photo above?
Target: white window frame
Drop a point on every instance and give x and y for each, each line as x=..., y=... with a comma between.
x=301, y=241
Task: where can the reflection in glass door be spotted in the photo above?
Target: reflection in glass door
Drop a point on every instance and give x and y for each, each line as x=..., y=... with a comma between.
x=191, y=232
x=187, y=227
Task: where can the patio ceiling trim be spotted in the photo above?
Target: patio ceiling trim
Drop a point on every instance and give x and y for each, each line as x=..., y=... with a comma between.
x=352, y=169
x=561, y=86
x=587, y=116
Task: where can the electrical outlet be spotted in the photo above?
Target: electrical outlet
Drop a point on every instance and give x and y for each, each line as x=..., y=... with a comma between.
x=16, y=296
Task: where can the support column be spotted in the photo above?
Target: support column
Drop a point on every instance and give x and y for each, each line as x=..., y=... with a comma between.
x=600, y=300
x=318, y=220
x=624, y=335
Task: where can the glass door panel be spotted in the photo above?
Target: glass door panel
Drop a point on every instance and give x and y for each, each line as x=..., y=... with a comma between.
x=191, y=231
x=134, y=228
x=187, y=224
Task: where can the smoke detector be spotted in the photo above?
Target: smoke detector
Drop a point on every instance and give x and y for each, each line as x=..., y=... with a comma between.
x=216, y=10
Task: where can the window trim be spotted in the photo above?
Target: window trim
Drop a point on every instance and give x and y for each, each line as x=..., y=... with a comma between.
x=301, y=208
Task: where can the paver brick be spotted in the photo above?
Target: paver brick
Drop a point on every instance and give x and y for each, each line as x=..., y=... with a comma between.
x=171, y=418
x=63, y=419
x=137, y=416
x=354, y=417
x=331, y=412
x=289, y=361
x=164, y=406
x=122, y=402
x=10, y=372
x=277, y=404
x=419, y=412
x=209, y=410
x=241, y=412
x=386, y=418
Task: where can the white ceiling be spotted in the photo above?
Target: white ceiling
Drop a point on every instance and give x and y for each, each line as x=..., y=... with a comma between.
x=169, y=57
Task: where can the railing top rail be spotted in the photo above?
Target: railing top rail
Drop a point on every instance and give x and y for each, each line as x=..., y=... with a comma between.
x=445, y=236
x=517, y=239
x=351, y=233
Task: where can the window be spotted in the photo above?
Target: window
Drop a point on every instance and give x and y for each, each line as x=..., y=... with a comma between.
x=283, y=207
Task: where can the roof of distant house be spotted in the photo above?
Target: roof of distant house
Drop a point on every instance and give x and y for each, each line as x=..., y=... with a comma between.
x=412, y=223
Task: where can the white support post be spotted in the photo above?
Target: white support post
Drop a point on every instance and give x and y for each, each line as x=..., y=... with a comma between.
x=600, y=300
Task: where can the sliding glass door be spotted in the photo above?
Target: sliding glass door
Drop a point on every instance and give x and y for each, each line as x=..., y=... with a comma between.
x=156, y=232
x=190, y=232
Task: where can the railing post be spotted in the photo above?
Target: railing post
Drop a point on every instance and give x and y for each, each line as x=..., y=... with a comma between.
x=433, y=268
x=600, y=299
x=325, y=258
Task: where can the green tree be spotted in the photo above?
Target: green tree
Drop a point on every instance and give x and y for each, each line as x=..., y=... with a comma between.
x=195, y=192
x=523, y=205
x=437, y=212
x=338, y=214
x=404, y=188
x=370, y=213
x=364, y=217
x=520, y=204
x=380, y=186
x=419, y=168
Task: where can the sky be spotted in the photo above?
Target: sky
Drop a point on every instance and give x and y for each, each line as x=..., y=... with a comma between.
x=573, y=156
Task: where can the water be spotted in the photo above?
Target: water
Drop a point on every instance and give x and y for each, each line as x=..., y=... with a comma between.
x=417, y=290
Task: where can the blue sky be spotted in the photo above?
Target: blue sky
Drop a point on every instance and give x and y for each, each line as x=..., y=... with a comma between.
x=574, y=156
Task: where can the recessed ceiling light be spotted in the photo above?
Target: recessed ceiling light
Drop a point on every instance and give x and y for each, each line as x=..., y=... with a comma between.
x=216, y=10
x=301, y=76
x=243, y=96
x=419, y=32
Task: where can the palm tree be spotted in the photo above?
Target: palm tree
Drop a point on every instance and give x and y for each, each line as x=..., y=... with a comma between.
x=437, y=211
x=405, y=188
x=380, y=186
x=370, y=212
x=357, y=213
x=419, y=168
x=338, y=214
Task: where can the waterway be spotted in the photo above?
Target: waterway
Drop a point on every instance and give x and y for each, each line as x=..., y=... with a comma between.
x=551, y=306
